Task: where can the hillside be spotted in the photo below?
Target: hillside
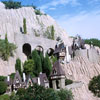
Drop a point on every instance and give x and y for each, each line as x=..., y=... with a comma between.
x=12, y=24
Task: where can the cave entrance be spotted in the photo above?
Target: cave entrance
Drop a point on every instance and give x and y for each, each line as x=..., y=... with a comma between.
x=27, y=49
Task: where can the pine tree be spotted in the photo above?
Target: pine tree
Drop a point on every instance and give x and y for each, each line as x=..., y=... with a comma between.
x=18, y=66
x=47, y=67
x=24, y=26
x=37, y=62
x=7, y=52
x=52, y=32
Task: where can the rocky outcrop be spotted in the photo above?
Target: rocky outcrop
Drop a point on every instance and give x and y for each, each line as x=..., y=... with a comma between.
x=81, y=69
x=11, y=22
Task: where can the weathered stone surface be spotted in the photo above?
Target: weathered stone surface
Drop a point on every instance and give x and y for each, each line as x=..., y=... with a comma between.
x=81, y=69
x=11, y=22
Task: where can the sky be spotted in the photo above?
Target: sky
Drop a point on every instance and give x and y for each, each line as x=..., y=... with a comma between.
x=80, y=17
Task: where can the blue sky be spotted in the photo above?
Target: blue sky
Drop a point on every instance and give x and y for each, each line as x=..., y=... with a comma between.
x=75, y=16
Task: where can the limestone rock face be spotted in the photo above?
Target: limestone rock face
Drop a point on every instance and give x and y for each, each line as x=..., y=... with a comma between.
x=81, y=69
x=11, y=22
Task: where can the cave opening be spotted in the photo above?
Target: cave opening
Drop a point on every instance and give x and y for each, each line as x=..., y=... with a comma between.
x=27, y=49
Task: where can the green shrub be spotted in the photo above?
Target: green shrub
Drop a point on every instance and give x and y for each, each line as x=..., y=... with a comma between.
x=4, y=97
x=38, y=12
x=68, y=81
x=6, y=48
x=2, y=78
x=94, y=85
x=24, y=26
x=65, y=94
x=12, y=75
x=50, y=32
x=95, y=42
x=12, y=4
x=3, y=87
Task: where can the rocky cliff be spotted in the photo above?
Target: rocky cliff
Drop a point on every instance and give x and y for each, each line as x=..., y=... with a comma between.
x=11, y=22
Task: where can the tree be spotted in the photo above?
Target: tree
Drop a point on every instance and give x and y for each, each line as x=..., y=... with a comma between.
x=18, y=66
x=51, y=94
x=14, y=96
x=2, y=78
x=3, y=87
x=29, y=67
x=7, y=53
x=11, y=4
x=24, y=26
x=95, y=42
x=37, y=62
x=94, y=85
x=47, y=67
x=4, y=97
x=52, y=32
x=65, y=94
x=6, y=48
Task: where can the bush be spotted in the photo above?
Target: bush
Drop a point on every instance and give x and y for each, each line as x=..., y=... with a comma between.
x=4, y=97
x=12, y=4
x=21, y=92
x=12, y=75
x=6, y=48
x=65, y=95
x=68, y=81
x=50, y=32
x=94, y=85
x=3, y=87
x=38, y=12
x=2, y=78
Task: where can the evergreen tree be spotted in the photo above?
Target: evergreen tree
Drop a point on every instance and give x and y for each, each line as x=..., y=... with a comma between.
x=52, y=32
x=37, y=62
x=24, y=26
x=29, y=67
x=18, y=66
x=7, y=53
x=47, y=67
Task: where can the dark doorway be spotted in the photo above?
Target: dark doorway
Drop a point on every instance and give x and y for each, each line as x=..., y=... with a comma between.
x=27, y=49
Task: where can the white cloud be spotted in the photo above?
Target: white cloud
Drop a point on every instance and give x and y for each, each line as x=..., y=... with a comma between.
x=52, y=8
x=85, y=24
x=55, y=3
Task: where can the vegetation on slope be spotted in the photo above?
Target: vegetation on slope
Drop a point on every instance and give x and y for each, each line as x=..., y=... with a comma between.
x=12, y=4
x=50, y=32
x=6, y=48
x=93, y=41
x=94, y=85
